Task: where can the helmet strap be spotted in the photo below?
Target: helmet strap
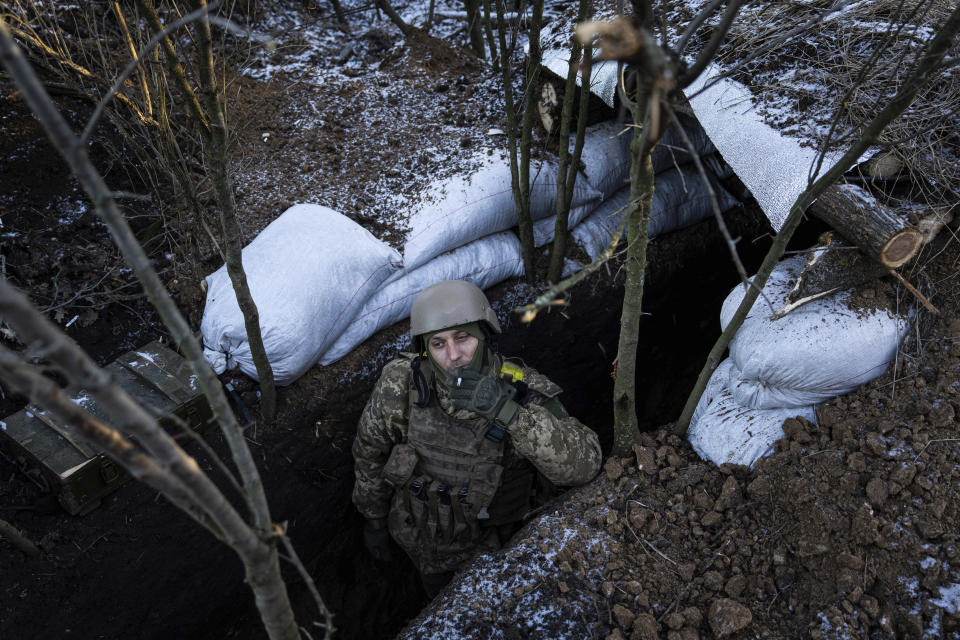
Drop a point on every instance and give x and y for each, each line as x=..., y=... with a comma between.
x=420, y=381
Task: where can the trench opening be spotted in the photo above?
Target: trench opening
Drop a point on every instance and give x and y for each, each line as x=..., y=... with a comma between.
x=690, y=275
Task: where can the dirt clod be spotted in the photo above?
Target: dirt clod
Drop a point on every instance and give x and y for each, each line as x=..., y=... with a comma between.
x=727, y=617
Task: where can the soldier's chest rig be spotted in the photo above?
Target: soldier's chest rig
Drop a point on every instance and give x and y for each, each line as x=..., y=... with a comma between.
x=453, y=478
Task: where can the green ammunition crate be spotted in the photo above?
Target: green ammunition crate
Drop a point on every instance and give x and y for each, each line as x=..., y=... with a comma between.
x=58, y=459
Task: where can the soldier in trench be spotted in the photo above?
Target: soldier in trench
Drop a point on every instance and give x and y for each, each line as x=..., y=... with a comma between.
x=456, y=445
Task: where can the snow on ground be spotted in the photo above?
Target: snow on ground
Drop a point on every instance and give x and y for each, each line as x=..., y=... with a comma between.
x=375, y=119
x=514, y=592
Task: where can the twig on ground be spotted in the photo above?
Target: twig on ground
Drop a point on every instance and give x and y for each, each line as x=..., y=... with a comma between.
x=922, y=298
x=931, y=442
x=659, y=553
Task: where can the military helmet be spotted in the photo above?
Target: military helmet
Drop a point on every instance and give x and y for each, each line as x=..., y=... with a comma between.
x=450, y=303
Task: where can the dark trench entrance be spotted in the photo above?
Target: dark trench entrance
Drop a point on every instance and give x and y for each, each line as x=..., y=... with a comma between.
x=690, y=274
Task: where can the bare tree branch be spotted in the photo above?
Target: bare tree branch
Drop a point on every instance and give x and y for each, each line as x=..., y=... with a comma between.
x=706, y=56
x=133, y=65
x=715, y=205
x=255, y=545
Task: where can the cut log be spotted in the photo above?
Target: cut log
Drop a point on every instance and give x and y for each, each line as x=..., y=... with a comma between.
x=860, y=218
x=551, y=101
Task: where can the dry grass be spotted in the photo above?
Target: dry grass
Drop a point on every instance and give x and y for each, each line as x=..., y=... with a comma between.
x=857, y=59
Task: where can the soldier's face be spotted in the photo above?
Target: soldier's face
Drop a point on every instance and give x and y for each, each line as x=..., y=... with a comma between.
x=452, y=349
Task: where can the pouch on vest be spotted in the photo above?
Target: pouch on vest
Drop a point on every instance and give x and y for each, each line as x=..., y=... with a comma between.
x=416, y=501
x=484, y=481
x=400, y=465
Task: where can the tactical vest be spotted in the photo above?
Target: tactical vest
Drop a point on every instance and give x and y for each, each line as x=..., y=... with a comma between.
x=452, y=486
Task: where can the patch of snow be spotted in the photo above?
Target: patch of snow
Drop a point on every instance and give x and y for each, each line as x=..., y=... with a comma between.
x=146, y=356
x=910, y=586
x=949, y=598
x=501, y=600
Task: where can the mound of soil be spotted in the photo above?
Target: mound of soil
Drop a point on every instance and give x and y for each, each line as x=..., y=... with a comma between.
x=848, y=530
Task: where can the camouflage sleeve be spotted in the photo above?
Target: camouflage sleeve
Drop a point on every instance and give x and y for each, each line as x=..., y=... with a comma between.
x=382, y=425
x=561, y=447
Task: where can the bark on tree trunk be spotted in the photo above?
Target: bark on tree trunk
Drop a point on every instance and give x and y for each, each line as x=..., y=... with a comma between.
x=879, y=232
x=395, y=18
x=526, y=135
x=521, y=205
x=218, y=161
x=625, y=426
x=473, y=24
x=568, y=169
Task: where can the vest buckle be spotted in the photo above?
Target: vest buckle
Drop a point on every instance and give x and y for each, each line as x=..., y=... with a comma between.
x=495, y=433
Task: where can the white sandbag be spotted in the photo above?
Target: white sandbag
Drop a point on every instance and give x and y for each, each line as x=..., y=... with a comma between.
x=543, y=230
x=606, y=156
x=821, y=350
x=721, y=430
x=463, y=208
x=672, y=151
x=484, y=262
x=679, y=200
x=310, y=272
x=597, y=230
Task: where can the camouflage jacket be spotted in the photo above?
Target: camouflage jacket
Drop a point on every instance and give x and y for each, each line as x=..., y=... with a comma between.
x=560, y=447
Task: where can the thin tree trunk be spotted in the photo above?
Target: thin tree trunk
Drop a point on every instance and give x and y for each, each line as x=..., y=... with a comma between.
x=474, y=26
x=395, y=18
x=526, y=134
x=173, y=64
x=568, y=169
x=625, y=425
x=915, y=80
x=524, y=225
x=491, y=43
x=218, y=160
x=341, y=17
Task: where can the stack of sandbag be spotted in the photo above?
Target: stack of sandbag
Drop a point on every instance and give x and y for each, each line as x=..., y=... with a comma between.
x=458, y=231
x=323, y=285
x=783, y=368
x=466, y=207
x=310, y=272
x=680, y=197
